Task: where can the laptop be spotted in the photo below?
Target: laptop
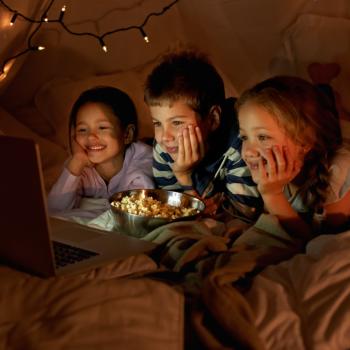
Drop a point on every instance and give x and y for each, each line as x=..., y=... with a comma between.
x=30, y=240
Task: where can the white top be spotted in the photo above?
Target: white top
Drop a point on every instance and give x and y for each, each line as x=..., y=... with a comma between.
x=339, y=185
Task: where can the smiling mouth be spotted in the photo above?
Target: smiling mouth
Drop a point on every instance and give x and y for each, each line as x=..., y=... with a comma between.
x=95, y=148
x=171, y=149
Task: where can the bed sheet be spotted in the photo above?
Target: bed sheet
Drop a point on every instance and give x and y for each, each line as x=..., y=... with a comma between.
x=304, y=303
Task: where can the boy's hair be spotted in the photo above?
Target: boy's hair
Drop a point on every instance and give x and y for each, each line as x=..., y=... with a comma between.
x=308, y=116
x=118, y=101
x=188, y=75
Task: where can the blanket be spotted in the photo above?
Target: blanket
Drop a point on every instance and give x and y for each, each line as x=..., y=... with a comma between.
x=212, y=265
x=106, y=308
x=303, y=303
x=210, y=256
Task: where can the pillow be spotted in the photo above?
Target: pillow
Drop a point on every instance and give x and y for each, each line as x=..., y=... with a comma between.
x=34, y=120
x=55, y=100
x=52, y=155
x=311, y=38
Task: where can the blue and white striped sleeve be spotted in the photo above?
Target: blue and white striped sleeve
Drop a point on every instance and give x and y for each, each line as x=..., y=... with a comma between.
x=162, y=172
x=239, y=183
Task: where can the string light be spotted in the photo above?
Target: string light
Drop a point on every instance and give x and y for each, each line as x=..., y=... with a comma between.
x=45, y=19
x=5, y=68
x=63, y=11
x=13, y=19
x=145, y=37
x=103, y=45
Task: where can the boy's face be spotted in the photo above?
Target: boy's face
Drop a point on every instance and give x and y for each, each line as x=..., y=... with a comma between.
x=169, y=122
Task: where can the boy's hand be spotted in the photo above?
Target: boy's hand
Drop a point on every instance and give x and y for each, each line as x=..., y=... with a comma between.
x=276, y=169
x=79, y=159
x=190, y=152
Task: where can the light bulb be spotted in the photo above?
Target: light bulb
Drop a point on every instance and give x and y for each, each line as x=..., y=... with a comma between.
x=103, y=45
x=145, y=37
x=63, y=10
x=13, y=19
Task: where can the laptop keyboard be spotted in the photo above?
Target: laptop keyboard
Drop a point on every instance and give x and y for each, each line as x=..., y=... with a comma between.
x=66, y=254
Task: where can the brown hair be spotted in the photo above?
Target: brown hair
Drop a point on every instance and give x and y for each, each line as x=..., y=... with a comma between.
x=185, y=74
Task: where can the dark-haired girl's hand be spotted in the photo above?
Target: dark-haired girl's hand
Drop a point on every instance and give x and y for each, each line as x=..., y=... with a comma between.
x=276, y=169
x=79, y=159
x=191, y=151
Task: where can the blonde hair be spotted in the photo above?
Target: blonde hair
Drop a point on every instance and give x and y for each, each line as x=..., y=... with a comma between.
x=308, y=117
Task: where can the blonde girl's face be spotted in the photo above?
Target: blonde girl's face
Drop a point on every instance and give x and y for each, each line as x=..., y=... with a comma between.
x=169, y=121
x=260, y=134
x=98, y=132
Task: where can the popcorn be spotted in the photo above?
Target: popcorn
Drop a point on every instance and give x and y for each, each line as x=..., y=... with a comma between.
x=148, y=206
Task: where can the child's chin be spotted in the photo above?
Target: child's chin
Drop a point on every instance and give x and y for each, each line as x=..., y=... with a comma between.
x=94, y=159
x=255, y=175
x=173, y=156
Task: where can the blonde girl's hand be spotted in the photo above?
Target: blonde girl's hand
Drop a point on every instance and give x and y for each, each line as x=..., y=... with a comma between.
x=190, y=152
x=79, y=159
x=276, y=169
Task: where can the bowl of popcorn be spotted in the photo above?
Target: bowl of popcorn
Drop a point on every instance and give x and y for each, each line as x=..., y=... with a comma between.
x=138, y=212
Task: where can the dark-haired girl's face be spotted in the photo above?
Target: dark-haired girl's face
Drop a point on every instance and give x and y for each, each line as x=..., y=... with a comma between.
x=98, y=132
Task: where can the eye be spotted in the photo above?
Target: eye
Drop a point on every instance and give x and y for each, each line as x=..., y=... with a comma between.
x=243, y=137
x=177, y=122
x=81, y=130
x=156, y=124
x=264, y=137
x=104, y=127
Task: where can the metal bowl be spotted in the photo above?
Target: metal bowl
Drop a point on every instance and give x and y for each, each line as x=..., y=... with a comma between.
x=140, y=225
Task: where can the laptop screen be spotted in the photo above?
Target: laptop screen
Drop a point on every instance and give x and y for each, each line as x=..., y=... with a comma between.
x=25, y=236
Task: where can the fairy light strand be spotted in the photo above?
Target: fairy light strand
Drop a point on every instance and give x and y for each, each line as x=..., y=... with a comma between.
x=44, y=19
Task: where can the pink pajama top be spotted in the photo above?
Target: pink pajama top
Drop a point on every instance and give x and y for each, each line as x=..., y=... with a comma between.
x=69, y=190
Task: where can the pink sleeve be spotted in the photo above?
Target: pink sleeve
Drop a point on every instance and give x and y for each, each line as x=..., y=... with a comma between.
x=64, y=194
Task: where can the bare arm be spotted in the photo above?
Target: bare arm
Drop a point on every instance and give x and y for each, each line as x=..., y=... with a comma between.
x=276, y=169
x=338, y=213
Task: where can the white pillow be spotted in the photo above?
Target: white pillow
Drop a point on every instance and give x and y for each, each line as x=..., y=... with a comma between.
x=56, y=98
x=314, y=38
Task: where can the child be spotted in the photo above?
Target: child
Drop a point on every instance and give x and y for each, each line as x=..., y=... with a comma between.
x=197, y=148
x=104, y=160
x=292, y=146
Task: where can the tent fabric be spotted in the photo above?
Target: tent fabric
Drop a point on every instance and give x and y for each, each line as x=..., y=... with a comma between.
x=247, y=41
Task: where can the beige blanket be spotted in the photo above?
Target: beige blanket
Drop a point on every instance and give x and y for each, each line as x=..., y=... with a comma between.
x=212, y=258
x=126, y=305
x=304, y=303
x=108, y=308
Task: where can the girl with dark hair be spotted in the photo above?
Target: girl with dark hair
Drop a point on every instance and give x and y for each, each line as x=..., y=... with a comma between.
x=105, y=157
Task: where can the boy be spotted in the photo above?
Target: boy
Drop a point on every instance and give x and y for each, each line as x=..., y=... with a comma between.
x=197, y=147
